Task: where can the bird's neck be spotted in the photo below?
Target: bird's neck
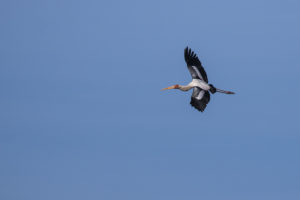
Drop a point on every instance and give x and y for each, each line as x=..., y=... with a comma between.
x=184, y=87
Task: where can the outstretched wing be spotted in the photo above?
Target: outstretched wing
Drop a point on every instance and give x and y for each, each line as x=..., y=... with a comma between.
x=194, y=65
x=200, y=98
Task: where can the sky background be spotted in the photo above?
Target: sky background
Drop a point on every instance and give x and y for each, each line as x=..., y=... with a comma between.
x=82, y=115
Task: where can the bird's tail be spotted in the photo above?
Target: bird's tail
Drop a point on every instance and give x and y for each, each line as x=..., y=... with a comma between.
x=214, y=90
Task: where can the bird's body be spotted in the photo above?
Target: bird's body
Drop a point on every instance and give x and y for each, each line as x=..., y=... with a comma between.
x=200, y=97
x=200, y=83
x=195, y=83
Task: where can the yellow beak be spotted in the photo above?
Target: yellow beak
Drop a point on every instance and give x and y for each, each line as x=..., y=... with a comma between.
x=169, y=88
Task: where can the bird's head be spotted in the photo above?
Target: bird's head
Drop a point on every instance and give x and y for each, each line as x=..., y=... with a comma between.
x=171, y=87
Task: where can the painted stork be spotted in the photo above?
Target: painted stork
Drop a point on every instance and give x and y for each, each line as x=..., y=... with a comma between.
x=201, y=88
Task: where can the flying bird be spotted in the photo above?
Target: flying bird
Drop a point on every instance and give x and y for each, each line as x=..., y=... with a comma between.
x=200, y=97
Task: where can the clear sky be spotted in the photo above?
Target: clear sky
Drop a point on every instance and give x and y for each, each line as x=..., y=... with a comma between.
x=82, y=115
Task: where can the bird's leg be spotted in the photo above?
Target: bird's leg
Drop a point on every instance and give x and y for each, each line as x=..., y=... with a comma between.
x=224, y=91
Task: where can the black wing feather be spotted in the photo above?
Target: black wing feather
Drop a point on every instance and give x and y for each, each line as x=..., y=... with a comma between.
x=202, y=103
x=191, y=59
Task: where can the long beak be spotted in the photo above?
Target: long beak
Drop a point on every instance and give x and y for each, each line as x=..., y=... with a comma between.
x=169, y=88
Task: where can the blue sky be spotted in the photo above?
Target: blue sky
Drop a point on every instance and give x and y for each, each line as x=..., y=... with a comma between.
x=83, y=117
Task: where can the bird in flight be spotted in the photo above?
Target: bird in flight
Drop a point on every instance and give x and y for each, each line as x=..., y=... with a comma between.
x=200, y=97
